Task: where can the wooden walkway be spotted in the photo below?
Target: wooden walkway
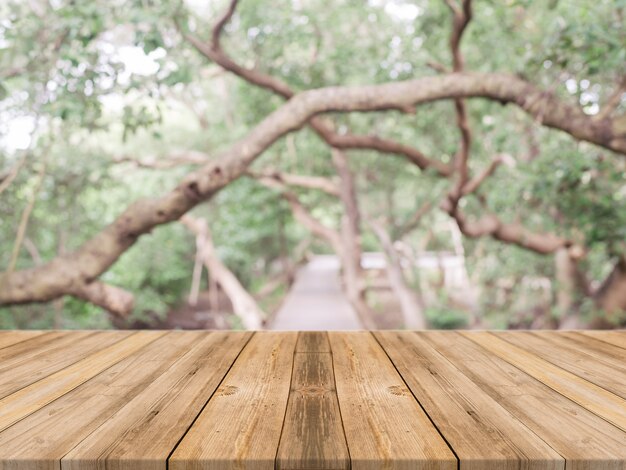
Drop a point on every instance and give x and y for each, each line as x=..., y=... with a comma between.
x=337, y=400
x=316, y=301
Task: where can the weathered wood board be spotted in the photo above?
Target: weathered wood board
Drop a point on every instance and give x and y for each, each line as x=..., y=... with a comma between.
x=312, y=400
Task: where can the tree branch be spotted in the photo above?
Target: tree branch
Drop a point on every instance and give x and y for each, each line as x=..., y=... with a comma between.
x=62, y=274
x=411, y=303
x=325, y=185
x=461, y=18
x=515, y=233
x=414, y=220
x=23, y=225
x=7, y=178
x=489, y=224
x=323, y=127
x=614, y=100
x=221, y=23
x=111, y=298
x=548, y=109
x=472, y=185
x=244, y=305
x=303, y=216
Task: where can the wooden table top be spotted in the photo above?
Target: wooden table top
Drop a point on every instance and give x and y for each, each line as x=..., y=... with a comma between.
x=287, y=400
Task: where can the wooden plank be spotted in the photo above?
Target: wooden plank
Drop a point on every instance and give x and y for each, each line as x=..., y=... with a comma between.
x=29, y=346
x=616, y=338
x=240, y=426
x=36, y=395
x=602, y=402
x=40, y=440
x=312, y=436
x=604, y=371
x=483, y=434
x=313, y=341
x=10, y=337
x=160, y=415
x=585, y=440
x=25, y=369
x=595, y=347
x=384, y=425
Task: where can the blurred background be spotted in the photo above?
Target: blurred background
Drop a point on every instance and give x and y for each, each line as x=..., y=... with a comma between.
x=106, y=103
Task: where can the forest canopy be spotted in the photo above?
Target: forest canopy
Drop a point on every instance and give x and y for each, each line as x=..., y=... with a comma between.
x=152, y=152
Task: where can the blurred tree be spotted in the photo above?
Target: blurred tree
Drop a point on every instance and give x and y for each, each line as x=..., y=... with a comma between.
x=116, y=100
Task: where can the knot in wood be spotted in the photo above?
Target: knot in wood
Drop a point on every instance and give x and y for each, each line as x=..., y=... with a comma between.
x=312, y=390
x=399, y=390
x=226, y=390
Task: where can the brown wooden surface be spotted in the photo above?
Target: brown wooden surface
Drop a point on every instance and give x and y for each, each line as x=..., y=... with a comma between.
x=312, y=435
x=496, y=440
x=241, y=425
x=603, y=370
x=585, y=440
x=312, y=400
x=609, y=406
x=385, y=427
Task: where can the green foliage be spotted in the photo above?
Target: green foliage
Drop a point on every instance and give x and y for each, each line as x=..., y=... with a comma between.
x=441, y=317
x=115, y=79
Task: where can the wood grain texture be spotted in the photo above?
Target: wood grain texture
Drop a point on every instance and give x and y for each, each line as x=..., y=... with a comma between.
x=312, y=400
x=27, y=346
x=585, y=440
x=241, y=425
x=606, y=372
x=160, y=415
x=312, y=436
x=594, y=346
x=38, y=394
x=483, y=434
x=9, y=337
x=384, y=425
x=40, y=440
x=39, y=362
x=616, y=338
x=313, y=341
x=596, y=399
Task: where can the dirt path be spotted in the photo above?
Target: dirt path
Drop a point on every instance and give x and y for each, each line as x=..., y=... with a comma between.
x=315, y=301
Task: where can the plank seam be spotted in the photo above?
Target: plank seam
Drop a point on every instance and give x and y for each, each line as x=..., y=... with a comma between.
x=282, y=427
x=167, y=459
x=94, y=333
x=25, y=339
x=584, y=334
x=588, y=343
x=93, y=431
x=546, y=358
x=79, y=385
x=44, y=337
x=583, y=350
x=343, y=427
x=506, y=408
x=458, y=460
x=546, y=385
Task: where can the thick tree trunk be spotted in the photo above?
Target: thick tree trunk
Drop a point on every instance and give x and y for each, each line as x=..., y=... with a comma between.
x=611, y=296
x=410, y=302
x=571, y=289
x=244, y=305
x=353, y=274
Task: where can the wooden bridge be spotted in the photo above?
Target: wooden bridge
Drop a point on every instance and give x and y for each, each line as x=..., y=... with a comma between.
x=316, y=301
x=309, y=400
